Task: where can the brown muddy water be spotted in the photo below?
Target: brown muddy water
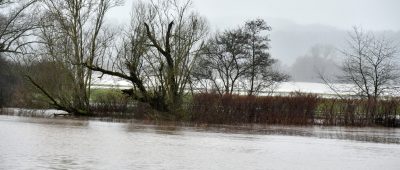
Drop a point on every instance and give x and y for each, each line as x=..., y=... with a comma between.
x=44, y=143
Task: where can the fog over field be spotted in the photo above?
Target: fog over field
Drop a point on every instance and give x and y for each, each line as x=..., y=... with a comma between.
x=299, y=28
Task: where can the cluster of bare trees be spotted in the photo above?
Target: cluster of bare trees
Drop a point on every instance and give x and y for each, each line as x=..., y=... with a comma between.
x=159, y=52
x=156, y=53
x=165, y=52
x=71, y=33
x=238, y=58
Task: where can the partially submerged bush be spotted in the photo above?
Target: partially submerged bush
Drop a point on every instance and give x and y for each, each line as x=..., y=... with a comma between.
x=235, y=109
x=358, y=112
x=299, y=109
x=212, y=108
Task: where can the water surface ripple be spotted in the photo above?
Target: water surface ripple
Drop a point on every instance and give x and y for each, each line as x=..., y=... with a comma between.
x=38, y=143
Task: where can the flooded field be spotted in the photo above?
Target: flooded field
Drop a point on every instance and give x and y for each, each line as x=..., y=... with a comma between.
x=40, y=143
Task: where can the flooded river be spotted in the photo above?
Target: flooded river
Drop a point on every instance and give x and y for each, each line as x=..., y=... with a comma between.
x=39, y=143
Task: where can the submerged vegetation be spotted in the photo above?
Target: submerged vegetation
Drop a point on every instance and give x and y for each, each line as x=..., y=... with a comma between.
x=172, y=60
x=295, y=109
x=212, y=108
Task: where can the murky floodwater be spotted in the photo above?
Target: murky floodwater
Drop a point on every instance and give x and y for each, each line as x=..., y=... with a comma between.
x=37, y=143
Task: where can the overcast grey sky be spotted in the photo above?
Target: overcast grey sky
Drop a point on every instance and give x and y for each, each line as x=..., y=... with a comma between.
x=297, y=24
x=371, y=14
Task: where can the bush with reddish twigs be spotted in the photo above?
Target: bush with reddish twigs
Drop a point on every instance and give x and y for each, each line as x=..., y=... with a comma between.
x=358, y=112
x=296, y=109
x=234, y=109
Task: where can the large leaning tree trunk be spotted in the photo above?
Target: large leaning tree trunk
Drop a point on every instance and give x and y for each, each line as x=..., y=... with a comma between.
x=158, y=53
x=72, y=32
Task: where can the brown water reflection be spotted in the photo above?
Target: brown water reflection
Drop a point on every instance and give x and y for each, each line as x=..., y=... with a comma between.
x=366, y=134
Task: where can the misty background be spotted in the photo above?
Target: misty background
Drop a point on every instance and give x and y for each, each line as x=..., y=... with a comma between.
x=306, y=36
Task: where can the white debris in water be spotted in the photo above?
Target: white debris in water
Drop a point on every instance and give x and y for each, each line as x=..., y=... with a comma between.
x=32, y=112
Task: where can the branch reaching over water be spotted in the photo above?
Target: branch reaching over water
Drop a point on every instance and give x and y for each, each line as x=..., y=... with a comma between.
x=57, y=105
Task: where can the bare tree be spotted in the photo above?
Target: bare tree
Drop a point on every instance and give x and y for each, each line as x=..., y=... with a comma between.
x=158, y=53
x=16, y=25
x=239, y=56
x=371, y=65
x=225, y=60
x=260, y=74
x=73, y=32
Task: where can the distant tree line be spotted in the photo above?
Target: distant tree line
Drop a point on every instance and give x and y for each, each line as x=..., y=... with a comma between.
x=320, y=59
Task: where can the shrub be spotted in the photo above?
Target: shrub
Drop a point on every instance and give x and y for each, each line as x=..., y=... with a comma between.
x=235, y=109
